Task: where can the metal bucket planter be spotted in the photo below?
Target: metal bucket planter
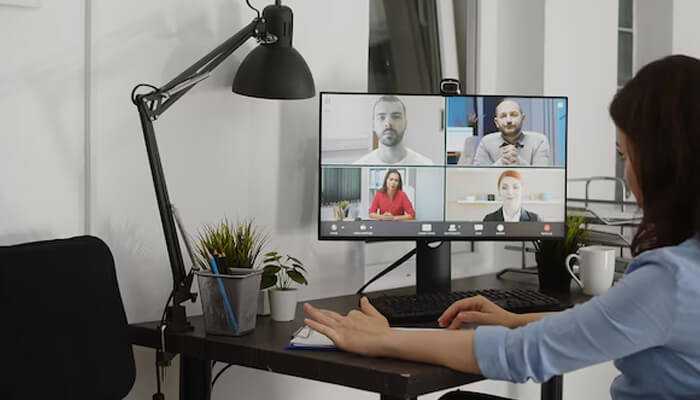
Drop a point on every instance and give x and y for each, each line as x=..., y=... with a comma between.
x=229, y=302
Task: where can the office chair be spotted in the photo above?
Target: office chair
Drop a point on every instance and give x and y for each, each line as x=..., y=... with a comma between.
x=463, y=395
x=63, y=330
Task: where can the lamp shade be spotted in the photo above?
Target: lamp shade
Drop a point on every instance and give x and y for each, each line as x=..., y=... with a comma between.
x=277, y=70
x=274, y=72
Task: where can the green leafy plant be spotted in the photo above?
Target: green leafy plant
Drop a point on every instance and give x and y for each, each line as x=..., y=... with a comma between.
x=551, y=255
x=281, y=271
x=573, y=240
x=575, y=234
x=340, y=209
x=235, y=245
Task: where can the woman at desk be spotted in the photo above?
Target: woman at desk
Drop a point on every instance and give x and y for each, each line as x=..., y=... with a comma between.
x=390, y=203
x=510, y=187
x=647, y=322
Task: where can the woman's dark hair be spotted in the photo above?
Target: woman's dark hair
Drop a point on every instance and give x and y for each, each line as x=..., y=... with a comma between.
x=659, y=113
x=386, y=178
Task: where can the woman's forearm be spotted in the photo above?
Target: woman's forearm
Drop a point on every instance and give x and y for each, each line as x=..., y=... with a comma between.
x=524, y=319
x=405, y=217
x=453, y=349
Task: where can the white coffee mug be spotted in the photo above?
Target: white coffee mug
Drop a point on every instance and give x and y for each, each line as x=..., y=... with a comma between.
x=596, y=267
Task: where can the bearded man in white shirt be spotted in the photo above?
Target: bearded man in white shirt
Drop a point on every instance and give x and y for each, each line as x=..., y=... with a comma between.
x=389, y=126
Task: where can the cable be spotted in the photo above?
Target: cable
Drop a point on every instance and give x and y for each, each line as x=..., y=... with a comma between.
x=165, y=309
x=218, y=374
x=157, y=377
x=251, y=6
x=388, y=269
x=159, y=395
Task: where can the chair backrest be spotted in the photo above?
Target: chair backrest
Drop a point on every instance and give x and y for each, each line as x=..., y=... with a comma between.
x=63, y=333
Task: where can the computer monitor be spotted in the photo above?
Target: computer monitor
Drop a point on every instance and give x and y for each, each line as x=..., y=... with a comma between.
x=441, y=168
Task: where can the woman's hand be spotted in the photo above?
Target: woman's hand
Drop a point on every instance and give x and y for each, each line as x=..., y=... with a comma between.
x=363, y=331
x=477, y=310
x=367, y=332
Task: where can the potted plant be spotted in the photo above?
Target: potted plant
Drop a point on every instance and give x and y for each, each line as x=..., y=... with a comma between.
x=281, y=273
x=550, y=256
x=229, y=278
x=235, y=245
x=341, y=210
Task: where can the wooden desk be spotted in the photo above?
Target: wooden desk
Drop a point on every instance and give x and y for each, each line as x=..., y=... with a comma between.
x=264, y=349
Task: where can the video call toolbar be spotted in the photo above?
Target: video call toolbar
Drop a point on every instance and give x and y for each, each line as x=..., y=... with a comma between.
x=456, y=230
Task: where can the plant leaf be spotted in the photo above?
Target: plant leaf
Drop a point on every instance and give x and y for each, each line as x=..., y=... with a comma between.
x=297, y=277
x=268, y=281
x=271, y=269
x=272, y=258
x=295, y=260
x=299, y=266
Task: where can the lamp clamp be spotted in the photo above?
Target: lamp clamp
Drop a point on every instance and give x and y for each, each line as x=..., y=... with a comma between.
x=183, y=293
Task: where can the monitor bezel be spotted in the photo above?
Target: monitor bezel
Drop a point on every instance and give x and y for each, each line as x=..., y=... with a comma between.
x=436, y=238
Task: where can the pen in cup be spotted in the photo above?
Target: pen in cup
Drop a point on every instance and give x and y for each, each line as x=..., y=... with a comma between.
x=230, y=316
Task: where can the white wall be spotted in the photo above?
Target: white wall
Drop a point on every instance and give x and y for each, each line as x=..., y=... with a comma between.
x=653, y=30
x=41, y=121
x=511, y=34
x=581, y=62
x=686, y=38
x=429, y=198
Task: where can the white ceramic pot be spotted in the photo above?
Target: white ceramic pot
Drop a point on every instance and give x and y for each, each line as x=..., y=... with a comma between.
x=283, y=304
x=264, y=302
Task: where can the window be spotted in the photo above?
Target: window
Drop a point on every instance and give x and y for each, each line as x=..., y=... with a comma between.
x=625, y=42
x=625, y=63
x=404, y=50
x=412, y=44
x=340, y=184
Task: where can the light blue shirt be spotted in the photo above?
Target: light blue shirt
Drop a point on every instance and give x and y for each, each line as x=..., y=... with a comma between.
x=648, y=322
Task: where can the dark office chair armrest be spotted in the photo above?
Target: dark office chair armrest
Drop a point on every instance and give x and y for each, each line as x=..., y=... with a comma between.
x=464, y=395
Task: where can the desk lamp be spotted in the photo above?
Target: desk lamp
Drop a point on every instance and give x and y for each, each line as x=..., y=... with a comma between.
x=273, y=70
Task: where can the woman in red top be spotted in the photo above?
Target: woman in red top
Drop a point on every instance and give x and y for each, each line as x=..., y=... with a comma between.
x=390, y=202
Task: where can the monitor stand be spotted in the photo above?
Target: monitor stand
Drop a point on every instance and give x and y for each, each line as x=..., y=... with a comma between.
x=433, y=267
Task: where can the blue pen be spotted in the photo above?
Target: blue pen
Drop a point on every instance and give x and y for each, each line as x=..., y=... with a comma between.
x=230, y=316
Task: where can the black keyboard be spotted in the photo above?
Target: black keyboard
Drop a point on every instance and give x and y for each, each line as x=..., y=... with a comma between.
x=402, y=310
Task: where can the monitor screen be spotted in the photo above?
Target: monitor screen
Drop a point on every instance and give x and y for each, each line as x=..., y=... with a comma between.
x=405, y=167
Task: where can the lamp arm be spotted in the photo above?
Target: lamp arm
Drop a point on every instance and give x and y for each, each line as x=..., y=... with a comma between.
x=150, y=106
x=162, y=98
x=162, y=197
